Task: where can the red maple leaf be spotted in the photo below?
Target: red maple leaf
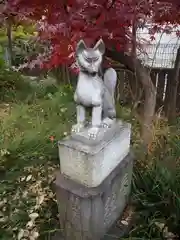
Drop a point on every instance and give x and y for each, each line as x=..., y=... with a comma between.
x=51, y=138
x=64, y=23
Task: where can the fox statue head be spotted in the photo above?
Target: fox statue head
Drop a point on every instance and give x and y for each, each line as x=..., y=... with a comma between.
x=90, y=59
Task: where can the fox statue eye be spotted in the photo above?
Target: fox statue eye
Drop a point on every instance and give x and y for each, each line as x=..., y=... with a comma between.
x=90, y=59
x=90, y=56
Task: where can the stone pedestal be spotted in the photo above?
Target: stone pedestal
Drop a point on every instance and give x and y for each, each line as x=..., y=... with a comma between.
x=86, y=213
x=89, y=162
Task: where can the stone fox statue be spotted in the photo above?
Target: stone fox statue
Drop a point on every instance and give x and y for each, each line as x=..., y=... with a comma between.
x=92, y=90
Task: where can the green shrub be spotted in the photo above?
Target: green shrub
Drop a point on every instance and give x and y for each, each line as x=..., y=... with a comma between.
x=14, y=88
x=156, y=191
x=11, y=83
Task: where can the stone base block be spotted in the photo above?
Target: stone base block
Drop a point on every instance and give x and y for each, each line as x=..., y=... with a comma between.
x=90, y=164
x=88, y=213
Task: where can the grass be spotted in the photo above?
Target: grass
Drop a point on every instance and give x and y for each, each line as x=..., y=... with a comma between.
x=28, y=159
x=31, y=123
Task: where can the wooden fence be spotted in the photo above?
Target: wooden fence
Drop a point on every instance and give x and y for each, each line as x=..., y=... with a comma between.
x=129, y=90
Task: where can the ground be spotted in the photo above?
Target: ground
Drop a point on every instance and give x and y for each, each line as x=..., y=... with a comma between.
x=30, y=127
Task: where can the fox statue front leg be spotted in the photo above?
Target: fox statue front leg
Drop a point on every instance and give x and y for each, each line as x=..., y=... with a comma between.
x=96, y=121
x=81, y=113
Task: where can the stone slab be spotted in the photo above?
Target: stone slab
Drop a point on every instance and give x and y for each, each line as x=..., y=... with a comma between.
x=104, y=135
x=89, y=147
x=91, y=164
x=88, y=213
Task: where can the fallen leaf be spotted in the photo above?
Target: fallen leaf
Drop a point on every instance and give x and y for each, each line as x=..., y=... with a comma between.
x=168, y=235
x=14, y=229
x=25, y=193
x=39, y=200
x=1, y=203
x=20, y=234
x=124, y=222
x=63, y=110
x=160, y=225
x=26, y=233
x=23, y=178
x=28, y=178
x=34, y=235
x=3, y=219
x=4, y=208
x=30, y=224
x=33, y=216
x=51, y=195
x=51, y=138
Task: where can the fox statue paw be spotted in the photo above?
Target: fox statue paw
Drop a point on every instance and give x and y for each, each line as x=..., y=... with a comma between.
x=77, y=127
x=93, y=132
x=107, y=122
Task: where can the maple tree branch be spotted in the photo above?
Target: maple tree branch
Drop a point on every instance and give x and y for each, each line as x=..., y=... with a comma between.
x=122, y=58
x=65, y=8
x=106, y=8
x=100, y=13
x=113, y=2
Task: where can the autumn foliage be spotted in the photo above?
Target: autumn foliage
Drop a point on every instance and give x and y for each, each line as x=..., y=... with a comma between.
x=61, y=24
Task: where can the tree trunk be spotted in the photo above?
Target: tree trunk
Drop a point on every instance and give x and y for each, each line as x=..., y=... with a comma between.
x=57, y=73
x=171, y=111
x=143, y=75
x=67, y=75
x=9, y=49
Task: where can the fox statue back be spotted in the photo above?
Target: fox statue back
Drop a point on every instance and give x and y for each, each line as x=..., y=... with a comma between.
x=92, y=90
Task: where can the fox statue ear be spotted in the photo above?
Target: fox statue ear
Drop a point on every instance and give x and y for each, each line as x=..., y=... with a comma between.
x=80, y=46
x=100, y=46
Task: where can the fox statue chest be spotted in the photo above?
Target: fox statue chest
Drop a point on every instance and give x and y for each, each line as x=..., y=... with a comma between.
x=89, y=90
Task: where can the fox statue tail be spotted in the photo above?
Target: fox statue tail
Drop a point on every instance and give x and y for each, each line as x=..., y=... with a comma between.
x=110, y=81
